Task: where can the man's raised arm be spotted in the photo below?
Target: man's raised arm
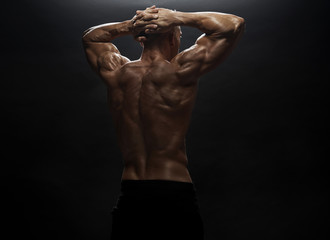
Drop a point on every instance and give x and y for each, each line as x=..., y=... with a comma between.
x=98, y=46
x=100, y=52
x=221, y=33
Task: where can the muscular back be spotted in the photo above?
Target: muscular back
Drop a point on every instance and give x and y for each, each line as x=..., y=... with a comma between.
x=151, y=99
x=151, y=106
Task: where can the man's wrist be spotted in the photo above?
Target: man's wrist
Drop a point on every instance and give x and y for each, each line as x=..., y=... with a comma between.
x=184, y=19
x=176, y=18
x=129, y=26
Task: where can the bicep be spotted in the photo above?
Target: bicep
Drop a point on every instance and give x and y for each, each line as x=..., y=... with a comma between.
x=217, y=50
x=104, y=56
x=207, y=53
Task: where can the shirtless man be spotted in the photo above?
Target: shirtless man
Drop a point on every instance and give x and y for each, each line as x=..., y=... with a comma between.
x=151, y=100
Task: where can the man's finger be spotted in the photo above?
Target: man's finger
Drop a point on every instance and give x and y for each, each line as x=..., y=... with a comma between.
x=138, y=12
x=152, y=11
x=137, y=17
x=142, y=23
x=139, y=23
x=145, y=17
x=152, y=26
x=149, y=17
x=149, y=30
x=142, y=39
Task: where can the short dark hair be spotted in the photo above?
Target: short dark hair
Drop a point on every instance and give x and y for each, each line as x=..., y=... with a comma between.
x=156, y=36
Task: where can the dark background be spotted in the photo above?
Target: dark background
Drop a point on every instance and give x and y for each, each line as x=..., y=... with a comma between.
x=257, y=135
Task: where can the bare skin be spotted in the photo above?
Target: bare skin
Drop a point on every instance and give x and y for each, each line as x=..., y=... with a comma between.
x=151, y=99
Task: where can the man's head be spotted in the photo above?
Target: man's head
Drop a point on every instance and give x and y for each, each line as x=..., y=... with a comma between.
x=170, y=39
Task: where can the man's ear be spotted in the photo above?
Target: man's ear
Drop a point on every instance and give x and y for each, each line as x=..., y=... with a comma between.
x=141, y=40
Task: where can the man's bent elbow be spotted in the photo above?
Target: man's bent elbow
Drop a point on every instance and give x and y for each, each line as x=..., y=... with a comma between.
x=234, y=27
x=239, y=25
x=85, y=36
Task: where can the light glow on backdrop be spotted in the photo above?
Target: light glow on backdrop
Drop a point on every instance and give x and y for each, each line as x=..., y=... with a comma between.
x=78, y=4
x=160, y=2
x=256, y=137
x=122, y=8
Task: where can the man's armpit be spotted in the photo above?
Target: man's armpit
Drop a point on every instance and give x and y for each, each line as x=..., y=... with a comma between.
x=191, y=60
x=110, y=61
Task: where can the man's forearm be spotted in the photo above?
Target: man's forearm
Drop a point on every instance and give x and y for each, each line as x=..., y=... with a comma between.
x=211, y=23
x=107, y=32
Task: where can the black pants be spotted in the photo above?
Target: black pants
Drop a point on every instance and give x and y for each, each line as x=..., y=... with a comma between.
x=157, y=210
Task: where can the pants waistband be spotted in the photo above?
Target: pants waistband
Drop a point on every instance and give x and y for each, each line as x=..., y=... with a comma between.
x=156, y=187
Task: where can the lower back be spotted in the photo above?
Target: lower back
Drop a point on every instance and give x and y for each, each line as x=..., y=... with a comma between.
x=152, y=122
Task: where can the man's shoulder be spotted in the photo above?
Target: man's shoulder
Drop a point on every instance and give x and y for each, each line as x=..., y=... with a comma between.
x=138, y=67
x=193, y=54
x=128, y=69
x=133, y=63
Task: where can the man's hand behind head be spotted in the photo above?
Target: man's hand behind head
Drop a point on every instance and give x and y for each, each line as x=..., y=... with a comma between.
x=144, y=17
x=162, y=17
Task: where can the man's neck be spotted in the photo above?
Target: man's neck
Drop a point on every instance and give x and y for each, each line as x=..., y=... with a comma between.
x=152, y=52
